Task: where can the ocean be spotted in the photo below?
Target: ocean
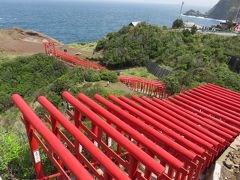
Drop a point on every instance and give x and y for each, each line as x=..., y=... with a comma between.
x=71, y=22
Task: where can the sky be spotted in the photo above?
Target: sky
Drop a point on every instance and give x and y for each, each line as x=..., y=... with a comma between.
x=187, y=2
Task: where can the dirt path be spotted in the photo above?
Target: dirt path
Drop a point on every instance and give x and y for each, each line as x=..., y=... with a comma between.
x=116, y=87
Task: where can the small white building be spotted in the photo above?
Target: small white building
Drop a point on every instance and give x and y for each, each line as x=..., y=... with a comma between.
x=135, y=23
x=189, y=25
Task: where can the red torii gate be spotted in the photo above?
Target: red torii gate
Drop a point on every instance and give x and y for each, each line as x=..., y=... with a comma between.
x=134, y=138
x=145, y=86
x=50, y=49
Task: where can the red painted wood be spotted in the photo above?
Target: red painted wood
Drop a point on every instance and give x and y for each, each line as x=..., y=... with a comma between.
x=137, y=138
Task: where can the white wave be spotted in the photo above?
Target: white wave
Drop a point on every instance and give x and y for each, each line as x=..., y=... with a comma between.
x=209, y=19
x=221, y=20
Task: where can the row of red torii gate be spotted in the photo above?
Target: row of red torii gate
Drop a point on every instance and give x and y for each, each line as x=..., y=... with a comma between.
x=142, y=85
x=133, y=137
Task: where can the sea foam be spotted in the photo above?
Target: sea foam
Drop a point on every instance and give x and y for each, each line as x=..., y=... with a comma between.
x=208, y=19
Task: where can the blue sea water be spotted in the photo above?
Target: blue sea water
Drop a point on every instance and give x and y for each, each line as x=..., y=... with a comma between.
x=88, y=21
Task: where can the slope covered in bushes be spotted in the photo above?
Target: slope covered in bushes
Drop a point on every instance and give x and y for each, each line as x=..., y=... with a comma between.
x=32, y=76
x=194, y=57
x=28, y=75
x=25, y=75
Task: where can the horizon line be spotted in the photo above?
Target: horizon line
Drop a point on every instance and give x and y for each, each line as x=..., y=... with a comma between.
x=105, y=1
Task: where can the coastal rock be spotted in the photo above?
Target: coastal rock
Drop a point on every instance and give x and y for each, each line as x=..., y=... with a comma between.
x=225, y=9
x=194, y=13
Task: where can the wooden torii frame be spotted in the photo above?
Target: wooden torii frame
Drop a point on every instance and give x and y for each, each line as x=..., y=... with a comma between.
x=50, y=49
x=136, y=137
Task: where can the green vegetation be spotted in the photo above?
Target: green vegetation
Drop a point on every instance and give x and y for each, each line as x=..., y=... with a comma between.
x=178, y=23
x=109, y=76
x=138, y=72
x=84, y=46
x=25, y=75
x=194, y=29
x=15, y=157
x=6, y=57
x=194, y=58
x=32, y=76
x=86, y=50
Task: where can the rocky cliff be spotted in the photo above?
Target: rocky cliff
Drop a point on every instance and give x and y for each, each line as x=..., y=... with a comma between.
x=192, y=12
x=225, y=9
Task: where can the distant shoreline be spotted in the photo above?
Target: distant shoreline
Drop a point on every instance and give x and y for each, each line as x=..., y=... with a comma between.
x=206, y=18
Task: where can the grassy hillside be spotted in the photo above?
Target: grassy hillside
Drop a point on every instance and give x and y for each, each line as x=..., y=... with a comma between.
x=84, y=46
x=25, y=75
x=137, y=72
x=195, y=58
x=39, y=74
x=32, y=76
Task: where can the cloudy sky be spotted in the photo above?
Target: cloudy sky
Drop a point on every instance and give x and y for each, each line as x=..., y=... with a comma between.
x=187, y=2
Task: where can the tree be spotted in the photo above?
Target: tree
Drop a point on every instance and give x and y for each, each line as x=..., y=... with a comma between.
x=193, y=29
x=186, y=32
x=178, y=23
x=229, y=25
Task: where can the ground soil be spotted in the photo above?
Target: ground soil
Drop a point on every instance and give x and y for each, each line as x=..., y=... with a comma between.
x=229, y=162
x=231, y=165
x=117, y=87
x=17, y=41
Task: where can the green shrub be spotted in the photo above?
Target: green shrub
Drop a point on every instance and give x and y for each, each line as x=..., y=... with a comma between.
x=137, y=46
x=186, y=33
x=227, y=78
x=172, y=84
x=193, y=29
x=131, y=46
x=25, y=75
x=219, y=75
x=91, y=75
x=193, y=57
x=109, y=76
x=87, y=85
x=178, y=23
x=15, y=157
x=59, y=86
